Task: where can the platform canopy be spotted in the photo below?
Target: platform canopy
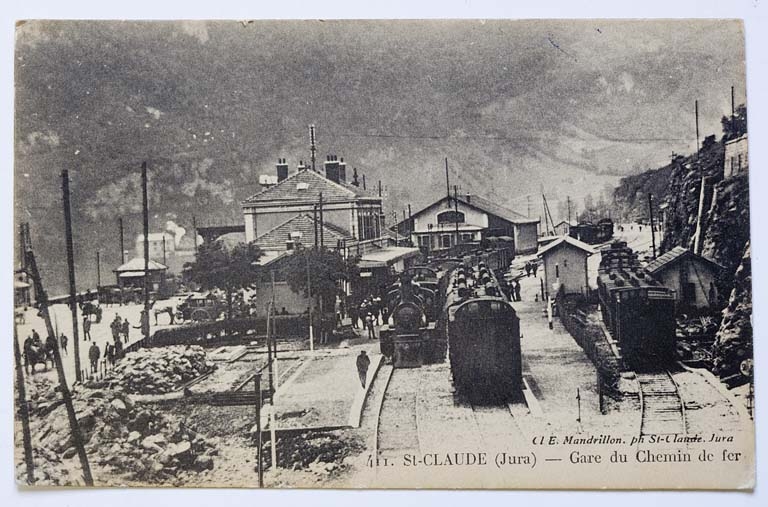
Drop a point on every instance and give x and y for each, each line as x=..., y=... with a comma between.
x=387, y=256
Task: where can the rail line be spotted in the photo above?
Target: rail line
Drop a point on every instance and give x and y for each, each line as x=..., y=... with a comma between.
x=397, y=430
x=662, y=410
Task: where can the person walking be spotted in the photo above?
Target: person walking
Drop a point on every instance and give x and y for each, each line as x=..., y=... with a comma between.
x=93, y=355
x=534, y=268
x=353, y=315
x=517, y=290
x=86, y=328
x=363, y=362
x=528, y=269
x=126, y=330
x=369, y=326
x=63, y=340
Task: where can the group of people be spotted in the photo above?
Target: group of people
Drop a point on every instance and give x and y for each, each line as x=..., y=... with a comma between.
x=370, y=313
x=531, y=267
x=514, y=290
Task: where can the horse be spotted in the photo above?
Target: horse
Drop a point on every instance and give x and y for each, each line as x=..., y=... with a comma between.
x=170, y=310
x=36, y=354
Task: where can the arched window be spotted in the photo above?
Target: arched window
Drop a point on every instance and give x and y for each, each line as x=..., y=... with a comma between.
x=450, y=217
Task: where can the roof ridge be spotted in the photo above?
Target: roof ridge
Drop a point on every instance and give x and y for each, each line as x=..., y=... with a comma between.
x=265, y=190
x=300, y=215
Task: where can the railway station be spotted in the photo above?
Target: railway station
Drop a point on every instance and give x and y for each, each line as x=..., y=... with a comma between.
x=457, y=301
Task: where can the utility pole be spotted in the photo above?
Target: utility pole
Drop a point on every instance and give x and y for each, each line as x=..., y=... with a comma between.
x=650, y=213
x=309, y=297
x=74, y=425
x=122, y=245
x=456, y=211
x=379, y=188
x=322, y=236
x=145, y=224
x=733, y=104
x=165, y=263
x=23, y=409
x=312, y=147
x=274, y=379
x=447, y=183
x=259, y=460
x=98, y=269
x=194, y=228
x=569, y=212
x=71, y=268
x=696, y=105
x=528, y=200
x=314, y=223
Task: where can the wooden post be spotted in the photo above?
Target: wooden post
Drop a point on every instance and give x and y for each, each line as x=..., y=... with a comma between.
x=260, y=462
x=42, y=300
x=98, y=269
x=145, y=224
x=122, y=245
x=23, y=410
x=71, y=268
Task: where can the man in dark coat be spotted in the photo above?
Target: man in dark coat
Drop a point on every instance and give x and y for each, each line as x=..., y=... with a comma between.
x=353, y=315
x=93, y=355
x=517, y=290
x=363, y=362
x=86, y=328
x=63, y=340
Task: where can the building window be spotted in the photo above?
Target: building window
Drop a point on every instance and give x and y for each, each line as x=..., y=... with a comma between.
x=467, y=237
x=368, y=223
x=450, y=217
x=445, y=241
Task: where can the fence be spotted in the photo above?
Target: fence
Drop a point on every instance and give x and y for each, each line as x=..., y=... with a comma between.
x=590, y=337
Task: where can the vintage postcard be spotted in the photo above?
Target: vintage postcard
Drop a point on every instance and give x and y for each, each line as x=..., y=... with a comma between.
x=382, y=254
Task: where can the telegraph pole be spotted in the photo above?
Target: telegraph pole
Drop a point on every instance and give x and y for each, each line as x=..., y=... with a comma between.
x=650, y=213
x=145, y=224
x=320, y=205
x=23, y=409
x=312, y=147
x=447, y=183
x=260, y=460
x=71, y=268
x=194, y=227
x=696, y=106
x=74, y=425
x=98, y=269
x=122, y=245
x=456, y=211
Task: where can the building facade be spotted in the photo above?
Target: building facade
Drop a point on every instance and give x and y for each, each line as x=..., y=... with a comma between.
x=565, y=266
x=735, y=160
x=691, y=276
x=455, y=220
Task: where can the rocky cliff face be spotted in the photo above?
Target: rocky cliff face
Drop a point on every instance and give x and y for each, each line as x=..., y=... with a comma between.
x=734, y=338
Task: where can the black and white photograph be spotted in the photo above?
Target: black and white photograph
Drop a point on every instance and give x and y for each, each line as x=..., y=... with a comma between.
x=382, y=254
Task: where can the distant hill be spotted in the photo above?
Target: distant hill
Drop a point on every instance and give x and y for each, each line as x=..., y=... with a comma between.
x=211, y=106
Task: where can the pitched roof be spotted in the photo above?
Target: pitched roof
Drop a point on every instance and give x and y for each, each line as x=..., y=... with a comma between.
x=305, y=186
x=567, y=240
x=137, y=264
x=675, y=255
x=485, y=205
x=275, y=238
x=495, y=209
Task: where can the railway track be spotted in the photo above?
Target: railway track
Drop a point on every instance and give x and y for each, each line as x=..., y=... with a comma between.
x=662, y=411
x=397, y=430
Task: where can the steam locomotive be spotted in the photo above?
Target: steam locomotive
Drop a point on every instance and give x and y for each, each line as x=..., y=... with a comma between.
x=483, y=334
x=638, y=311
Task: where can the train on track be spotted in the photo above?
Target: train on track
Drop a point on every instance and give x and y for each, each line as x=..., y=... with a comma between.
x=637, y=310
x=591, y=233
x=483, y=334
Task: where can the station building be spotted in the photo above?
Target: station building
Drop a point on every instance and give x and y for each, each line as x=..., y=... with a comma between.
x=565, y=265
x=468, y=218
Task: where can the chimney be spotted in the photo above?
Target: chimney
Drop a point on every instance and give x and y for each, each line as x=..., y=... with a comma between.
x=282, y=169
x=355, y=181
x=301, y=166
x=342, y=171
x=332, y=168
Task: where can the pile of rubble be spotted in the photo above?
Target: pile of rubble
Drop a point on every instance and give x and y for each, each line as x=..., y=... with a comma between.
x=319, y=452
x=124, y=442
x=156, y=370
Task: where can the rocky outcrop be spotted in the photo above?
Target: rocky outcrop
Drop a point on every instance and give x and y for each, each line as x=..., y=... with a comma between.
x=156, y=370
x=124, y=441
x=726, y=225
x=734, y=338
